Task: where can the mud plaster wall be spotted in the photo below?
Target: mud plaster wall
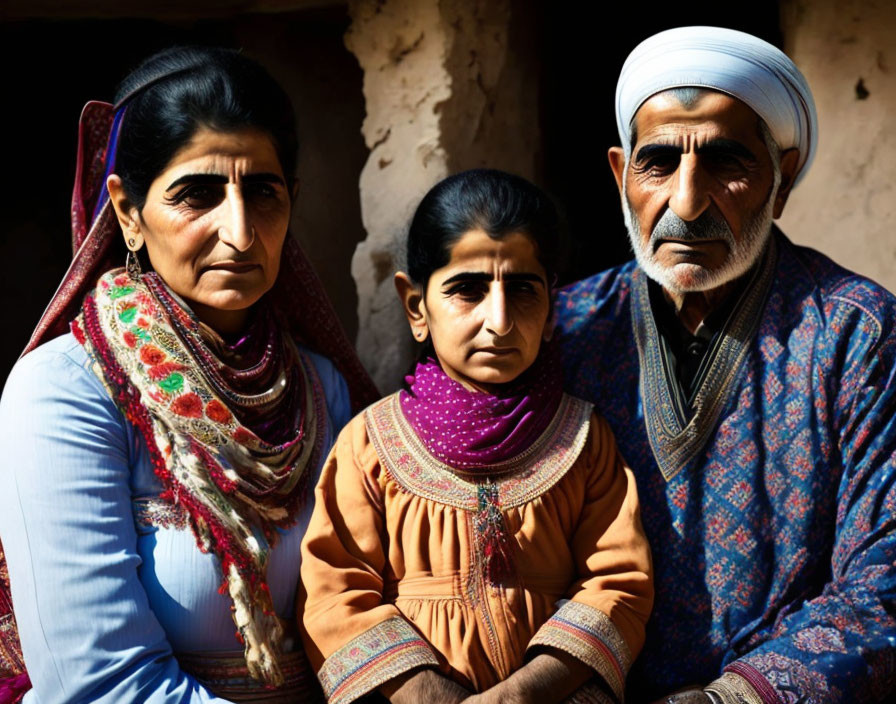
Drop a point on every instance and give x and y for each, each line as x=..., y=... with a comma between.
x=846, y=205
x=446, y=89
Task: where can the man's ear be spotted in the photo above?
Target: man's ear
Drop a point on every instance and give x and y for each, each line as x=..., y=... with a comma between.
x=411, y=296
x=127, y=214
x=616, y=155
x=790, y=159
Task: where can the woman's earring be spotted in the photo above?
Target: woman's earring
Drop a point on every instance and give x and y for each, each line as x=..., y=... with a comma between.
x=132, y=263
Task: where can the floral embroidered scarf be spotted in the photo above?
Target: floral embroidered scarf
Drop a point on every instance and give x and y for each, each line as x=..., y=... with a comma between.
x=199, y=417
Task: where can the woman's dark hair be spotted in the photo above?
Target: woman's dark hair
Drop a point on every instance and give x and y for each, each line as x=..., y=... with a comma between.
x=175, y=92
x=482, y=199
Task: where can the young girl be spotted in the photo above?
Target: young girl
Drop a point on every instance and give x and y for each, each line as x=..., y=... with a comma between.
x=477, y=531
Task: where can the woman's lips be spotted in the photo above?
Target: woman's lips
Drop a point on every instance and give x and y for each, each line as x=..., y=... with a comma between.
x=233, y=267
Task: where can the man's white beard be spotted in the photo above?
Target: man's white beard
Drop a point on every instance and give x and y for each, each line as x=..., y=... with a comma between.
x=687, y=277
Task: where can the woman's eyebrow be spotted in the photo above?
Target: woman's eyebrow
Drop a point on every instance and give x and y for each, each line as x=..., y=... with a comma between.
x=476, y=276
x=220, y=179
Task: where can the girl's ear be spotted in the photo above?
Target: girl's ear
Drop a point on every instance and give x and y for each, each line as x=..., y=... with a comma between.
x=411, y=296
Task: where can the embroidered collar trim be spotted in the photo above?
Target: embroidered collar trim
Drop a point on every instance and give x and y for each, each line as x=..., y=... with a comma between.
x=674, y=438
x=517, y=480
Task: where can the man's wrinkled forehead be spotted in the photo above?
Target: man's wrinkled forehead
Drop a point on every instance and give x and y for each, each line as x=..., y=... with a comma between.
x=693, y=113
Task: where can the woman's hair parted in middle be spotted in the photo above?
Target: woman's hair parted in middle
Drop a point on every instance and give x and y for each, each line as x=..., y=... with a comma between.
x=493, y=201
x=177, y=91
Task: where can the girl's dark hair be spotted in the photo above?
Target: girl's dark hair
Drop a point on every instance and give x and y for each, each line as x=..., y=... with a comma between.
x=175, y=92
x=482, y=199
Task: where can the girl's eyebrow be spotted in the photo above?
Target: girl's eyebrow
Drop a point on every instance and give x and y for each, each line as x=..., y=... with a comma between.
x=477, y=276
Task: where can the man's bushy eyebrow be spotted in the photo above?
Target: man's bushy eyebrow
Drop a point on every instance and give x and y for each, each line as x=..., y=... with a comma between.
x=719, y=145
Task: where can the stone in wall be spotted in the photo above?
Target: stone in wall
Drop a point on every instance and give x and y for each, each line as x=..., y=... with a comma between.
x=846, y=205
x=445, y=90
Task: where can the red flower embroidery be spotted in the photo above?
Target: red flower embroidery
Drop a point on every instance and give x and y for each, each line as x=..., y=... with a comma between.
x=130, y=339
x=189, y=405
x=143, y=323
x=121, y=280
x=160, y=371
x=151, y=355
x=217, y=411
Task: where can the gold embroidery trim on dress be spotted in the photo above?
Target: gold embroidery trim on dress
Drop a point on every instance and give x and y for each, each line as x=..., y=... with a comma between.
x=588, y=635
x=380, y=653
x=518, y=480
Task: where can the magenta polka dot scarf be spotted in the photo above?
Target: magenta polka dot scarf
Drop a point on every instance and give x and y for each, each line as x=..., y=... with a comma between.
x=470, y=430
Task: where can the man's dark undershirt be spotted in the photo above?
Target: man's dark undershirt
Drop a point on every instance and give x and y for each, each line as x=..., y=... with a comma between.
x=685, y=350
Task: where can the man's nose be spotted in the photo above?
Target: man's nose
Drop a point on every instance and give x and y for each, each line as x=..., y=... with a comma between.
x=691, y=188
x=235, y=228
x=498, y=321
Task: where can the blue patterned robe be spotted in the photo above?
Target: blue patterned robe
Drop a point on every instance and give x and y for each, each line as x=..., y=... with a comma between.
x=771, y=511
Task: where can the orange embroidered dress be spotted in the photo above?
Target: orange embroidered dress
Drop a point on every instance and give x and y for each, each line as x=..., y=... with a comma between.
x=394, y=564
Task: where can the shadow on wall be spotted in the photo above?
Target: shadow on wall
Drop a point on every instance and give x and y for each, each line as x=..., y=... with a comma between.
x=44, y=97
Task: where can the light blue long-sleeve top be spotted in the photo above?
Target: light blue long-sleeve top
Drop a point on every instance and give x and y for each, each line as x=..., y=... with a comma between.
x=103, y=601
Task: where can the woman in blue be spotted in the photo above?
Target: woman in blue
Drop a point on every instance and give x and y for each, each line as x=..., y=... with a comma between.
x=161, y=429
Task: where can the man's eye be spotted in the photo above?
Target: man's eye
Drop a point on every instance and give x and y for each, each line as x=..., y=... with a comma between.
x=723, y=161
x=662, y=163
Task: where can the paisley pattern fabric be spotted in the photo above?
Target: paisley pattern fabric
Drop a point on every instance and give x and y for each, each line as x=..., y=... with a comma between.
x=774, y=543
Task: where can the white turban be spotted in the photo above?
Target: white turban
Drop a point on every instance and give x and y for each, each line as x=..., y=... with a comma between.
x=725, y=60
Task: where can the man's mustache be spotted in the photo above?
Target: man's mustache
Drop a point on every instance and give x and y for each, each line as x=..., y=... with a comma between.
x=706, y=227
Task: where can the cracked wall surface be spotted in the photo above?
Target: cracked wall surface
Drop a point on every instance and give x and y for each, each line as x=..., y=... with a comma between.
x=446, y=90
x=846, y=205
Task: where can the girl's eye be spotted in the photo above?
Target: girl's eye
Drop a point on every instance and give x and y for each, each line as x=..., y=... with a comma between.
x=468, y=290
x=521, y=289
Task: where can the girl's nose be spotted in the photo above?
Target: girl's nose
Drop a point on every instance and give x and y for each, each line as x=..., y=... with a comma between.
x=498, y=319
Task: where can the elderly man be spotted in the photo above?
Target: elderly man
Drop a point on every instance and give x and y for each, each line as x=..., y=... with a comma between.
x=751, y=384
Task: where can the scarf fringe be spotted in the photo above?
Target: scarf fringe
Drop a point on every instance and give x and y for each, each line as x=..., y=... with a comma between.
x=258, y=627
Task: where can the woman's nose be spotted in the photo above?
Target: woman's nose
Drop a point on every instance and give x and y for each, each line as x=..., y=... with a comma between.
x=691, y=188
x=498, y=321
x=235, y=228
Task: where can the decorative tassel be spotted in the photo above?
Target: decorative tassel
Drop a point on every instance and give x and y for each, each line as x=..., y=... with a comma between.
x=492, y=540
x=258, y=627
